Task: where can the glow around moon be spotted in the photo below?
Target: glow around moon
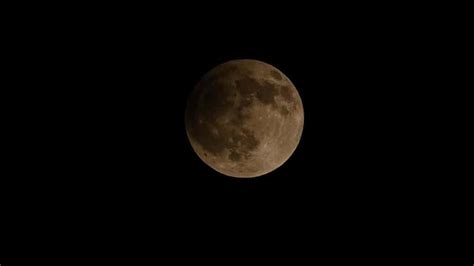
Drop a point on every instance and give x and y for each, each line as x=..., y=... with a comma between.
x=244, y=118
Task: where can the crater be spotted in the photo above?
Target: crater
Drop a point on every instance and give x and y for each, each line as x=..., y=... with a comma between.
x=276, y=75
x=287, y=93
x=234, y=156
x=230, y=137
x=250, y=142
x=284, y=110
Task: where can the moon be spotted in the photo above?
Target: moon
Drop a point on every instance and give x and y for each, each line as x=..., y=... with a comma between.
x=244, y=118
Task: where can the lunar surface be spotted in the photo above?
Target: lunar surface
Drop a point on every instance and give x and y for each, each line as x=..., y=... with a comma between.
x=244, y=118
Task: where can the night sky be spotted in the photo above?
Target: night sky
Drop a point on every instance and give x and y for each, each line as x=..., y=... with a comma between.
x=357, y=94
x=122, y=162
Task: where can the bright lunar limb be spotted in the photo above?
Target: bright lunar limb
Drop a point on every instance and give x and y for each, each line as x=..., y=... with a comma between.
x=244, y=118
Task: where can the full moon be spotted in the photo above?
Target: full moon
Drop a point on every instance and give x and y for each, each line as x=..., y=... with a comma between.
x=244, y=118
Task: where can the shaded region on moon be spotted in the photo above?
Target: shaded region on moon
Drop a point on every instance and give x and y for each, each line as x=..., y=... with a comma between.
x=244, y=118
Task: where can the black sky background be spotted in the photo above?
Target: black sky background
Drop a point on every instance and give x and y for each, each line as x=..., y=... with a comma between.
x=352, y=163
x=118, y=159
